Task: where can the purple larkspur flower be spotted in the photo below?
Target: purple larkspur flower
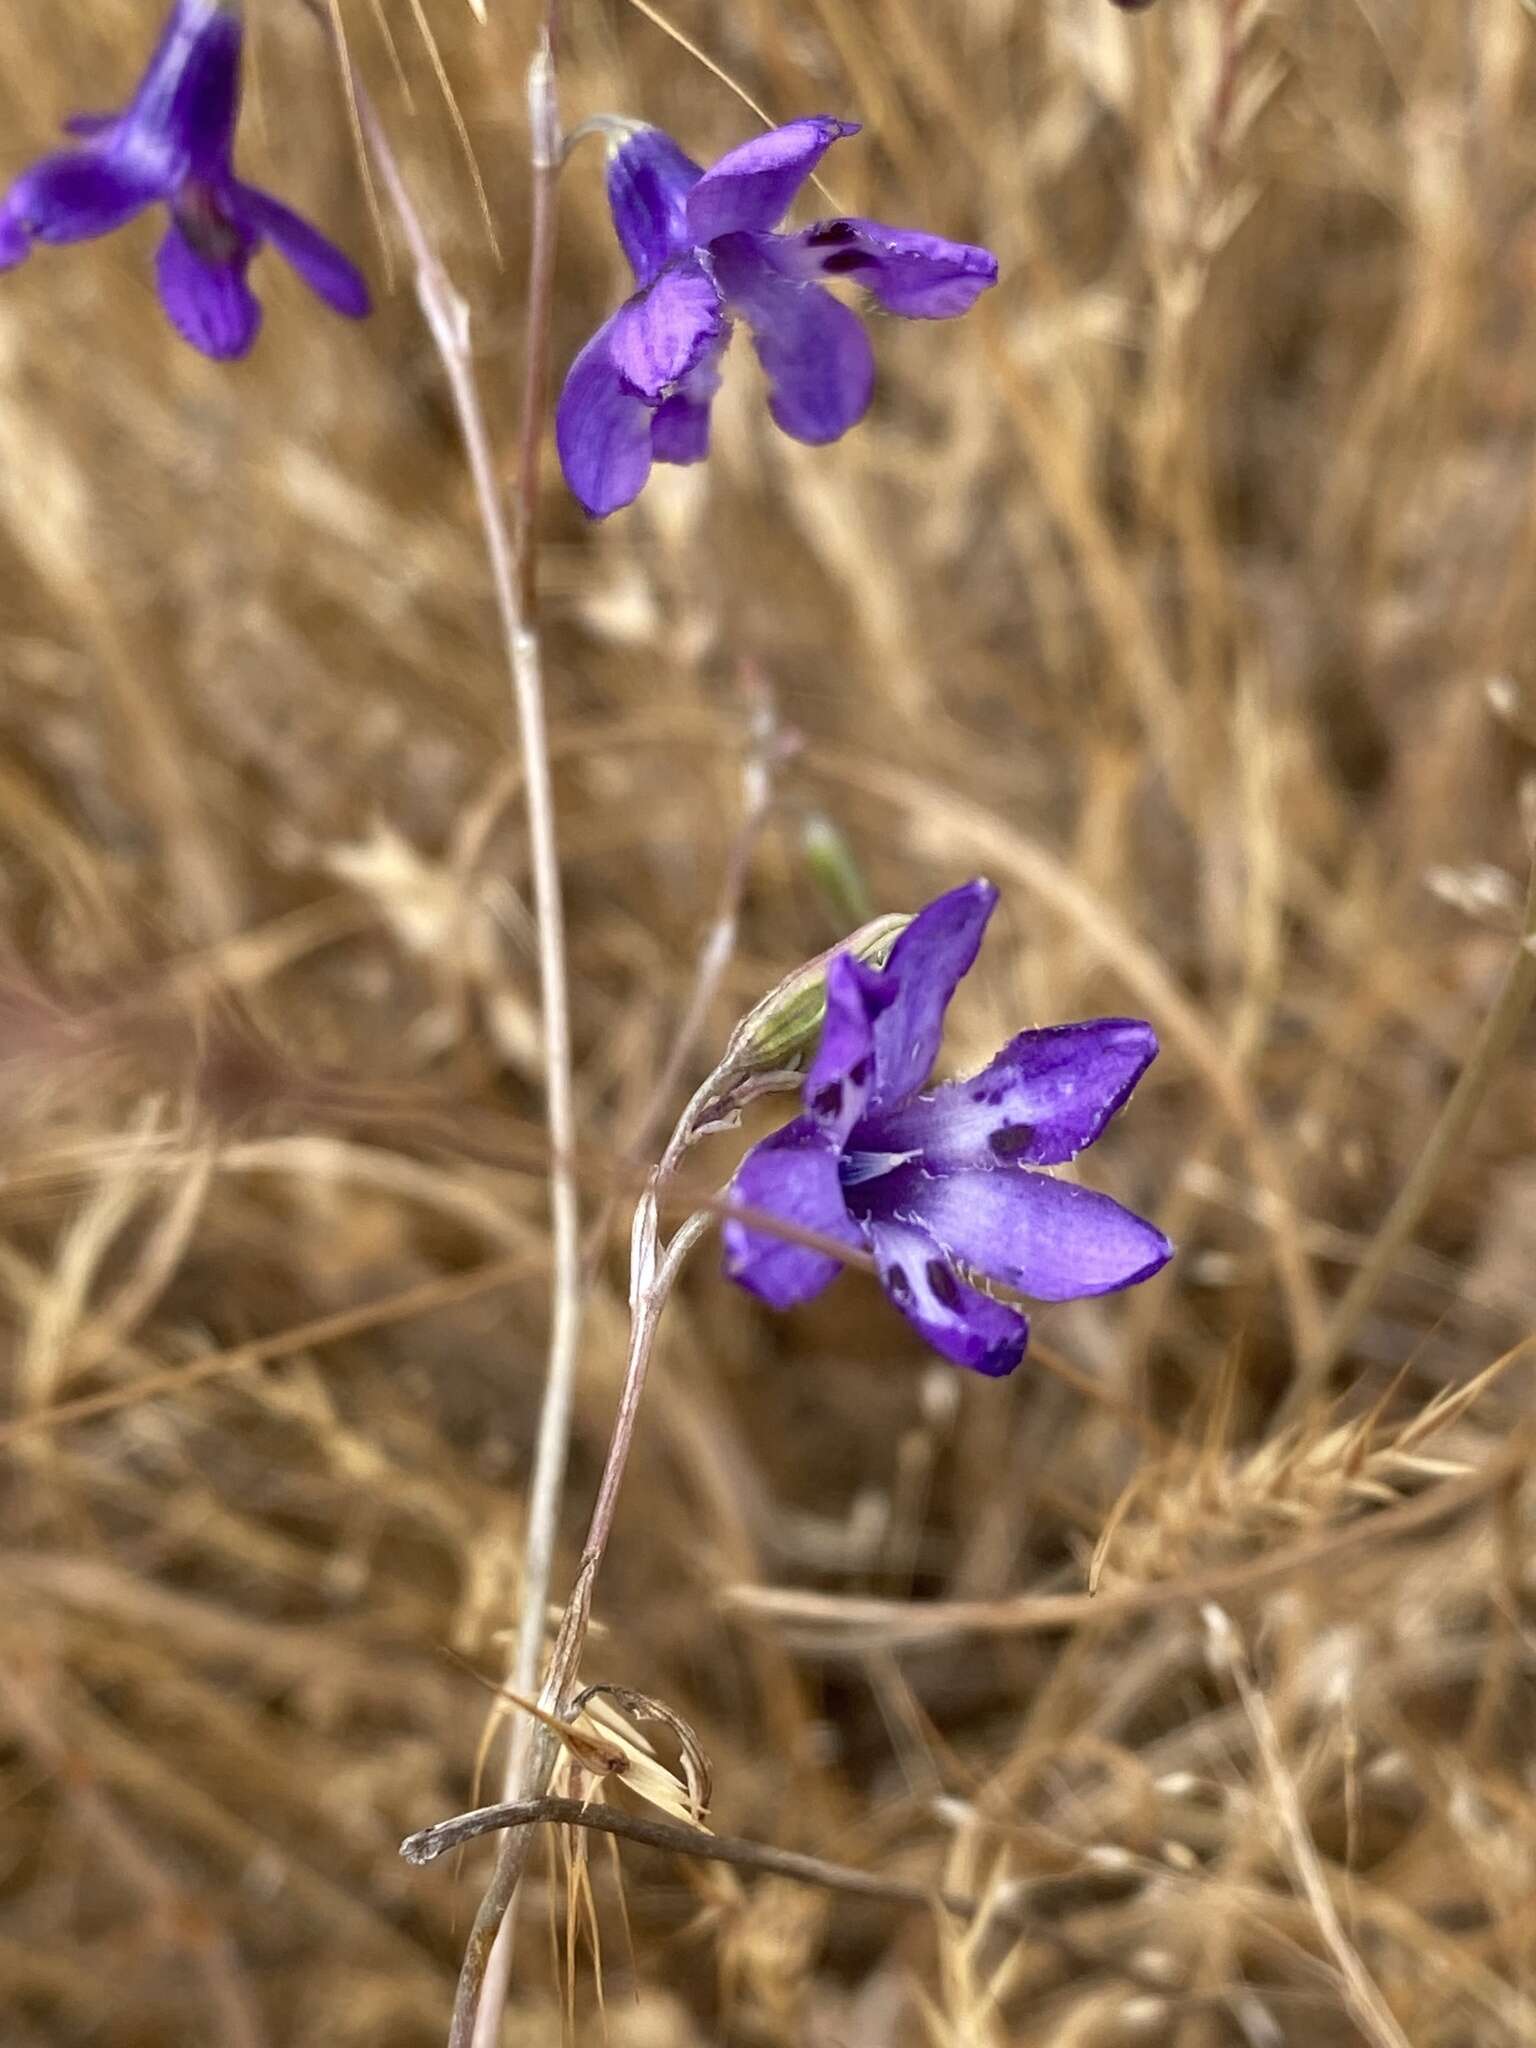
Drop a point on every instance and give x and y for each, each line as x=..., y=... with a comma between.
x=173, y=145
x=940, y=1186
x=704, y=254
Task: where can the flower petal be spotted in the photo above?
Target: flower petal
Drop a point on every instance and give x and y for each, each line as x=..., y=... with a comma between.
x=649, y=179
x=752, y=186
x=820, y=368
x=792, y=1175
x=72, y=197
x=329, y=274
x=209, y=304
x=920, y=276
x=1051, y=1239
x=837, y=1086
x=1046, y=1096
x=926, y=965
x=662, y=333
x=966, y=1326
x=181, y=119
x=602, y=431
x=680, y=424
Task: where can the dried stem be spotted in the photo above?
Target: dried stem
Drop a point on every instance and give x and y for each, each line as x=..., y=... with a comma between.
x=514, y=571
x=550, y=1456
x=546, y=153
x=1494, y=1040
x=873, y=1622
x=1370, y=2010
x=678, y=1838
x=532, y=1754
x=652, y=1278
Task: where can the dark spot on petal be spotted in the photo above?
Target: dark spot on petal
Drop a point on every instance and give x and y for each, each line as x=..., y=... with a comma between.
x=946, y=1288
x=828, y=233
x=899, y=1285
x=829, y=1100
x=842, y=261
x=858, y=1073
x=1011, y=1140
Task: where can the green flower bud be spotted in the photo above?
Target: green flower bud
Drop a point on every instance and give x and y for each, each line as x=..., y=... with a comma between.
x=784, y=1027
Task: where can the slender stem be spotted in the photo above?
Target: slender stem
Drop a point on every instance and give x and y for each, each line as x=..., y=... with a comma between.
x=1001, y=1910
x=532, y=1754
x=513, y=579
x=1493, y=1041
x=681, y=1840
x=551, y=1452
x=1369, y=2009
x=651, y=1284
x=546, y=155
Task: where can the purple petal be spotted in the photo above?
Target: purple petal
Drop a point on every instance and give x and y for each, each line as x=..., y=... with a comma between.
x=329, y=275
x=792, y=1175
x=966, y=1326
x=837, y=1086
x=649, y=179
x=920, y=276
x=72, y=197
x=1051, y=1239
x=680, y=431
x=661, y=334
x=926, y=965
x=752, y=186
x=680, y=424
x=181, y=120
x=820, y=368
x=209, y=303
x=1046, y=1096
x=602, y=431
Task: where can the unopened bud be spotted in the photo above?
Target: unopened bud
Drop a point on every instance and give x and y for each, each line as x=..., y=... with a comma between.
x=785, y=1025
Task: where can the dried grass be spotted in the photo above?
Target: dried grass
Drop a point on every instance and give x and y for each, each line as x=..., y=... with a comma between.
x=1185, y=589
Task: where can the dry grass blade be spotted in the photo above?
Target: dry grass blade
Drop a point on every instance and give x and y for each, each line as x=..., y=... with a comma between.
x=1365, y=2001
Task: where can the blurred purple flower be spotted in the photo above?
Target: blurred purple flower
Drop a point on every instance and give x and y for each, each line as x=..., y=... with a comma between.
x=173, y=145
x=703, y=252
x=938, y=1186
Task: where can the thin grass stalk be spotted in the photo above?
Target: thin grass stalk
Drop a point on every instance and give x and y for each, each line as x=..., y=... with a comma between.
x=1503, y=1021
x=514, y=581
x=551, y=1452
x=652, y=1281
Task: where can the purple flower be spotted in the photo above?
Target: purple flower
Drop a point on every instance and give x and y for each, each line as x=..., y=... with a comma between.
x=938, y=1186
x=173, y=145
x=704, y=255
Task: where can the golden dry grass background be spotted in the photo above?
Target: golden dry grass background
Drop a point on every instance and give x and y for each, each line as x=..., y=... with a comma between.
x=1185, y=589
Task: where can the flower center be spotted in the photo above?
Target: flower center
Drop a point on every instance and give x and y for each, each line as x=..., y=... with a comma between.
x=207, y=226
x=856, y=1167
